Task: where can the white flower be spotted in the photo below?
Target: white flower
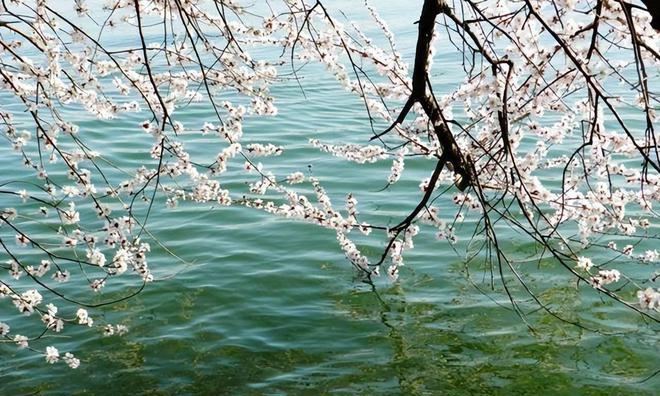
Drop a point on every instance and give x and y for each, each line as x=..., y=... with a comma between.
x=52, y=309
x=62, y=277
x=52, y=322
x=295, y=178
x=83, y=317
x=69, y=242
x=4, y=329
x=71, y=360
x=121, y=329
x=5, y=291
x=8, y=214
x=52, y=354
x=21, y=341
x=365, y=228
x=584, y=263
x=15, y=270
x=22, y=240
x=95, y=256
x=260, y=150
x=70, y=191
x=651, y=256
x=393, y=272
x=397, y=167
x=27, y=301
x=108, y=330
x=609, y=276
x=70, y=216
x=605, y=277
x=649, y=298
x=97, y=284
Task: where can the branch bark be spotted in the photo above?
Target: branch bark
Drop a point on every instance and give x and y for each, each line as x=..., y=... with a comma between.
x=451, y=153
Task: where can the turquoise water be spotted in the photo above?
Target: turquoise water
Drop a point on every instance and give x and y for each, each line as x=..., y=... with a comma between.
x=265, y=305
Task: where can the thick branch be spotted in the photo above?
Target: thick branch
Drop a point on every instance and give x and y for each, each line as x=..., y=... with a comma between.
x=450, y=150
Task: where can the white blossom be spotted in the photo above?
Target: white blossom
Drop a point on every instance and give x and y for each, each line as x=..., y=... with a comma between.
x=52, y=354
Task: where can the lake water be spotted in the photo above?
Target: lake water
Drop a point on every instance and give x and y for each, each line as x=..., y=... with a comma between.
x=266, y=305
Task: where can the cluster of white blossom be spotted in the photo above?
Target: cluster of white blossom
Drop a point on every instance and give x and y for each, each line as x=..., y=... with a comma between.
x=352, y=152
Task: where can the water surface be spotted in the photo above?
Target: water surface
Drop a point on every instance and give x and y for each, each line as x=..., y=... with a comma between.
x=270, y=306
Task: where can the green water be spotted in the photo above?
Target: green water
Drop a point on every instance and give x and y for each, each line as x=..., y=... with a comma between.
x=270, y=306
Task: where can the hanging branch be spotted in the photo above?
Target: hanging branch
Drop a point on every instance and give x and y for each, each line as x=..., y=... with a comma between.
x=451, y=153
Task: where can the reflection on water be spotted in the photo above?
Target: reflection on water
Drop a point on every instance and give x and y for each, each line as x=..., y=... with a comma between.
x=313, y=339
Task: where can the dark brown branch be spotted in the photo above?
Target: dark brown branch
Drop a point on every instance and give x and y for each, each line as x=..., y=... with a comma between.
x=427, y=195
x=451, y=153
